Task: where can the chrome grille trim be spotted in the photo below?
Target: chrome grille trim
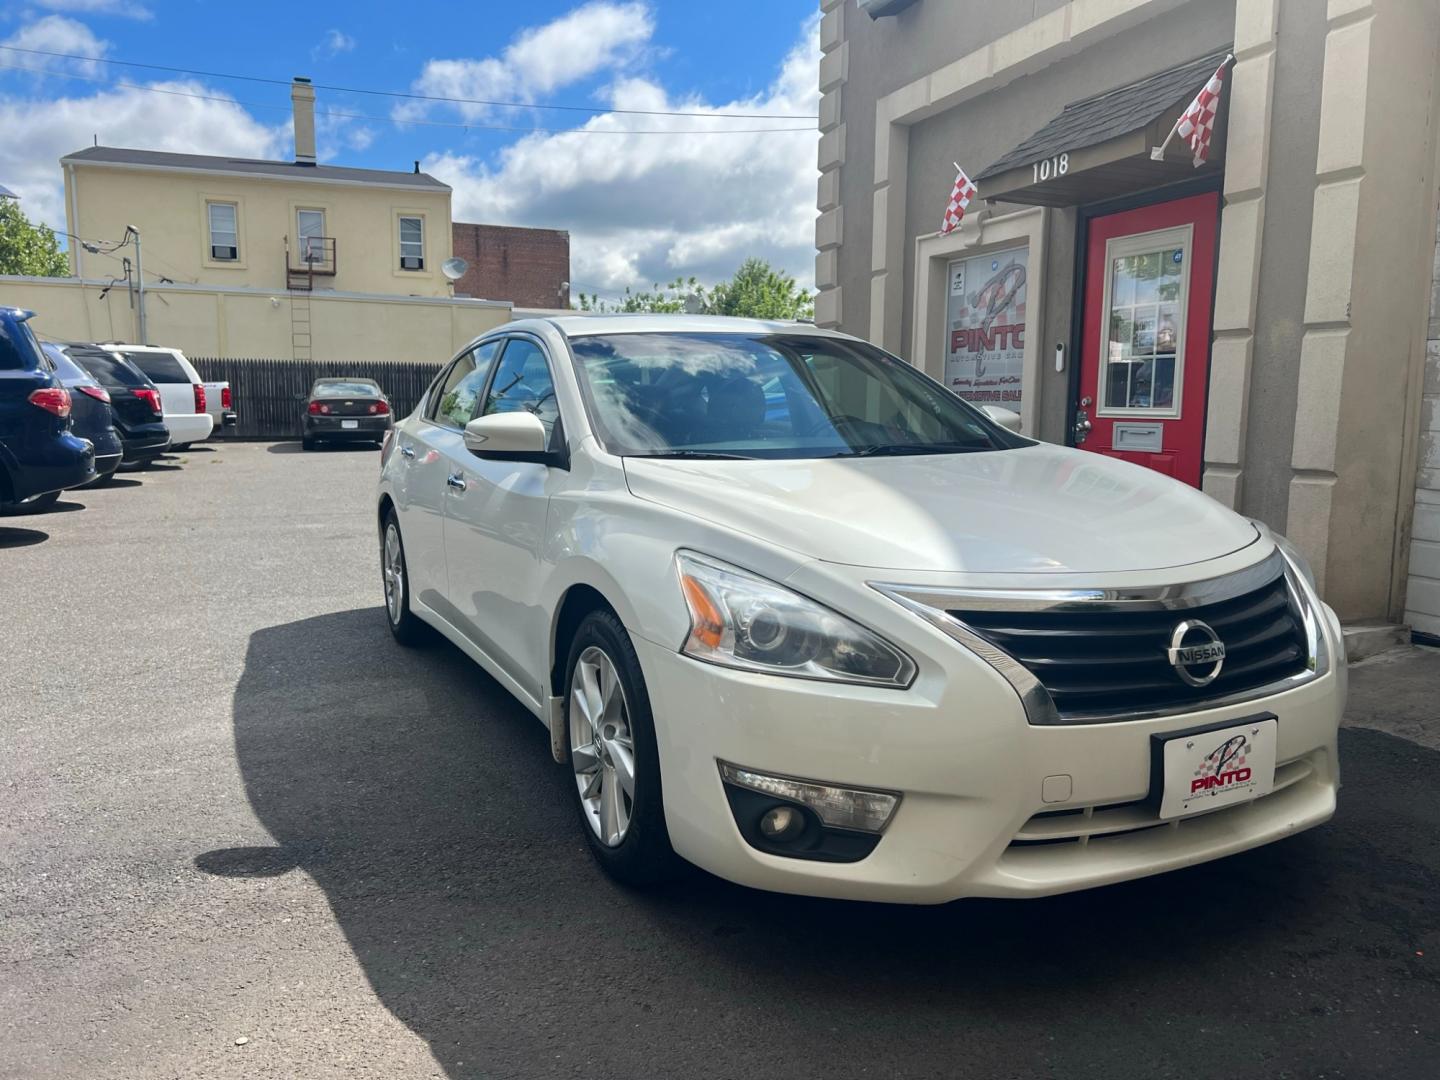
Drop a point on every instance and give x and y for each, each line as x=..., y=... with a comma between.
x=935, y=604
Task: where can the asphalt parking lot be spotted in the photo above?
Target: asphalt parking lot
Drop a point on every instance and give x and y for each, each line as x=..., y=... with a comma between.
x=245, y=835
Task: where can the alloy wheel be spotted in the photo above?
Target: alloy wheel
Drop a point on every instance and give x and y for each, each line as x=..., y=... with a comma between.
x=602, y=749
x=393, y=569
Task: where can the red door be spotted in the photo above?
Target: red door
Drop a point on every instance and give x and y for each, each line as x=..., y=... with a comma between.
x=1145, y=358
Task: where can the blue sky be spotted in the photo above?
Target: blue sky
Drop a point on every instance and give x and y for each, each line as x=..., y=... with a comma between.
x=640, y=207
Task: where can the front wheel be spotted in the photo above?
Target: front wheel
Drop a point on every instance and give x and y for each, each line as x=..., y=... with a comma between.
x=406, y=628
x=614, y=757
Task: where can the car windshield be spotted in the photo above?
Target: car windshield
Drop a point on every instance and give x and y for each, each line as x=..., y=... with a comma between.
x=349, y=388
x=769, y=395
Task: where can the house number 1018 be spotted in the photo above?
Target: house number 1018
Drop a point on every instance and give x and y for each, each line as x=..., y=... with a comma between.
x=1058, y=165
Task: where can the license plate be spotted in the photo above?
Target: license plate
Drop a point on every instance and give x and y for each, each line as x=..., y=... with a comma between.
x=349, y=423
x=1213, y=767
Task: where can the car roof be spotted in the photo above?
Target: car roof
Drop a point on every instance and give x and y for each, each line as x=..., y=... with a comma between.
x=581, y=325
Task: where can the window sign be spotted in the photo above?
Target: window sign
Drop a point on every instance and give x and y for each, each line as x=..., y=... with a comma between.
x=985, y=324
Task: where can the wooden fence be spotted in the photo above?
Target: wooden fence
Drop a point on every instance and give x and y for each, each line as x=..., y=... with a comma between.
x=269, y=396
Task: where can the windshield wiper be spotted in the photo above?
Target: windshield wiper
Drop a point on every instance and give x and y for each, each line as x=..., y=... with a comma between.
x=696, y=455
x=903, y=449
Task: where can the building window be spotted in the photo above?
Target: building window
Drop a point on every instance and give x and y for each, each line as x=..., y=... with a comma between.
x=1143, y=349
x=310, y=228
x=224, y=234
x=412, y=243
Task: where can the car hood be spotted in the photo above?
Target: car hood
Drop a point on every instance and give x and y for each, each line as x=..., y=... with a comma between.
x=1037, y=509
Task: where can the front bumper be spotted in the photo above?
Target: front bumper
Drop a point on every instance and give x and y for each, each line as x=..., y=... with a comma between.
x=970, y=770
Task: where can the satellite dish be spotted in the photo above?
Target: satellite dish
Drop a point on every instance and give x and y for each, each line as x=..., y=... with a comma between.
x=454, y=268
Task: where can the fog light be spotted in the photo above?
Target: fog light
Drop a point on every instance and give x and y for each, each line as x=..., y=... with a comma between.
x=837, y=807
x=782, y=823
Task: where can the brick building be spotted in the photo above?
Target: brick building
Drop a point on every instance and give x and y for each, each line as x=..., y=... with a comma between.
x=528, y=267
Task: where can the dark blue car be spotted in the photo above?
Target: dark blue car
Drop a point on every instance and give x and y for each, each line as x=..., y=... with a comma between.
x=39, y=455
x=90, y=415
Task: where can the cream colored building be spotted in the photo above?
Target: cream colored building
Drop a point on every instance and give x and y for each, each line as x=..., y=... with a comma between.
x=244, y=257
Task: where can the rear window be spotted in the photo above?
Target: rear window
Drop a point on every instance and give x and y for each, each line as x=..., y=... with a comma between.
x=18, y=347
x=161, y=367
x=345, y=389
x=110, y=371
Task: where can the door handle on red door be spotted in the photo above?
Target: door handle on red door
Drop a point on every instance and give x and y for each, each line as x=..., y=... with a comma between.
x=456, y=480
x=1082, y=424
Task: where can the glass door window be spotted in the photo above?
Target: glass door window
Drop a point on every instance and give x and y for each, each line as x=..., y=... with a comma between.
x=1143, y=348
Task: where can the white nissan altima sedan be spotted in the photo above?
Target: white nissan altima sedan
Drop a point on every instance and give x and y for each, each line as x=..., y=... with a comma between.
x=794, y=612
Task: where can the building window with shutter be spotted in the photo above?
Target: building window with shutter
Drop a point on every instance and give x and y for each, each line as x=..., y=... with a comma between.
x=412, y=243
x=224, y=231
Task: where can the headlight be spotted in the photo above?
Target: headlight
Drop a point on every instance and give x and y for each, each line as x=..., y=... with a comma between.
x=743, y=621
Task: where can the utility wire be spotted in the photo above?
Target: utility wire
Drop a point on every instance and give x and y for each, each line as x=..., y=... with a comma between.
x=406, y=95
x=393, y=120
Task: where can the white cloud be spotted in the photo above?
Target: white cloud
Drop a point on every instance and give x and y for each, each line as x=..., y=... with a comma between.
x=595, y=37
x=332, y=44
x=646, y=208
x=56, y=34
x=39, y=133
x=123, y=8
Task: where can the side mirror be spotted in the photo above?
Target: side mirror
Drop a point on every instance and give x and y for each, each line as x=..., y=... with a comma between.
x=1006, y=418
x=511, y=436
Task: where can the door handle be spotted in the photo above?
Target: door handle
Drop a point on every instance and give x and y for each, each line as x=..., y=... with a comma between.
x=407, y=451
x=456, y=480
x=1082, y=424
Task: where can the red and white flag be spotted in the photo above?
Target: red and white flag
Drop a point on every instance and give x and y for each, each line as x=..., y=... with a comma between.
x=960, y=197
x=1197, y=122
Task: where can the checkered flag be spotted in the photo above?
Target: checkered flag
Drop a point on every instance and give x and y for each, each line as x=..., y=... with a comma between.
x=1197, y=122
x=960, y=197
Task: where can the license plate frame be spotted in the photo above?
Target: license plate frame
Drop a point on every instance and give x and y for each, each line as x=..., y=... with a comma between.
x=1189, y=776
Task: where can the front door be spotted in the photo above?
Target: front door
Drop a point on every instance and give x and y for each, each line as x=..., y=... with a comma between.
x=1145, y=358
x=495, y=527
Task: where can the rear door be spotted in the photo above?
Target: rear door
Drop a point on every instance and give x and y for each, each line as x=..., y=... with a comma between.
x=495, y=515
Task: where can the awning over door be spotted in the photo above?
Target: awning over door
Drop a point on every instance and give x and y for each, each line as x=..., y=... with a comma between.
x=1099, y=148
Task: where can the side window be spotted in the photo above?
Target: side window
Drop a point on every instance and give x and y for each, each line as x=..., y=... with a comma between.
x=160, y=367
x=461, y=391
x=522, y=381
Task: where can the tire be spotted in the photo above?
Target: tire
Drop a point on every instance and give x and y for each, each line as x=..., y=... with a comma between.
x=636, y=850
x=307, y=443
x=395, y=579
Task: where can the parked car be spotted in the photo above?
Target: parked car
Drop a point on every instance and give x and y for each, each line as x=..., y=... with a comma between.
x=186, y=399
x=873, y=645
x=345, y=410
x=40, y=456
x=135, y=405
x=90, y=415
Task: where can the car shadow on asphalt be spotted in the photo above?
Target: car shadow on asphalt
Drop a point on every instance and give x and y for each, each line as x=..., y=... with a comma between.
x=422, y=800
x=322, y=448
x=10, y=538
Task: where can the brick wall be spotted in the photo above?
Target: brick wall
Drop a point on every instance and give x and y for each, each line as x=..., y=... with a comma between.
x=528, y=267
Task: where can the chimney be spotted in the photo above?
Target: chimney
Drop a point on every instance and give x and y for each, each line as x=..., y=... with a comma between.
x=302, y=98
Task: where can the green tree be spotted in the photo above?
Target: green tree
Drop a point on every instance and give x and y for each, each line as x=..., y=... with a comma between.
x=759, y=291
x=26, y=248
x=669, y=300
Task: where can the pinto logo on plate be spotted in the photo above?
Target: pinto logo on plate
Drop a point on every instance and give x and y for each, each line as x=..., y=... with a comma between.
x=1224, y=767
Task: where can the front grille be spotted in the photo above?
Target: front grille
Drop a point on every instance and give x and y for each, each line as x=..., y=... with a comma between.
x=1114, y=662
